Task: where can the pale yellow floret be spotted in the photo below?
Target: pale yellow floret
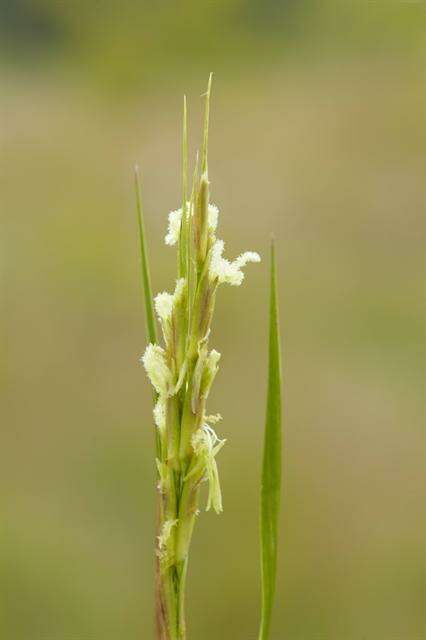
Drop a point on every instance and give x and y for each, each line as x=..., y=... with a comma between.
x=160, y=413
x=244, y=258
x=154, y=361
x=180, y=285
x=212, y=363
x=175, y=218
x=210, y=368
x=213, y=217
x=163, y=305
x=228, y=272
x=173, y=231
x=207, y=445
x=164, y=302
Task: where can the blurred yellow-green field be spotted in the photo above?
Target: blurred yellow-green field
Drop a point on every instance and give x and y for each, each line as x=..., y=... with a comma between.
x=319, y=136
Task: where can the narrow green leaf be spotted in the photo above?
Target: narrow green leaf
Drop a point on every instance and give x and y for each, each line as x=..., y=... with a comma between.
x=204, y=168
x=151, y=330
x=145, y=275
x=191, y=262
x=184, y=154
x=271, y=468
x=183, y=235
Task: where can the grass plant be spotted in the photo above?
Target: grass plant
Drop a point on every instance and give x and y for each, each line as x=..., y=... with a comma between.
x=182, y=370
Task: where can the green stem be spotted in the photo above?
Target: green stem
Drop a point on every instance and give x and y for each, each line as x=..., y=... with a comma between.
x=172, y=580
x=182, y=571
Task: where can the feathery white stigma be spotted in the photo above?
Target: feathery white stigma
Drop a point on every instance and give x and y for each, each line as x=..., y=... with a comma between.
x=207, y=445
x=165, y=301
x=175, y=218
x=154, y=361
x=230, y=272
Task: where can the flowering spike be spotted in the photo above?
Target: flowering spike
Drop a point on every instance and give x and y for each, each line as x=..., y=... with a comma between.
x=182, y=374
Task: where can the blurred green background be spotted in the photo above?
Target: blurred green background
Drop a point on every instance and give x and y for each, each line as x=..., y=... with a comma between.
x=319, y=135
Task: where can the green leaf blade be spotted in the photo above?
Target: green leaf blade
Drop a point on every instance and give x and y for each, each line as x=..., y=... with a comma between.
x=204, y=167
x=271, y=467
x=183, y=234
x=151, y=329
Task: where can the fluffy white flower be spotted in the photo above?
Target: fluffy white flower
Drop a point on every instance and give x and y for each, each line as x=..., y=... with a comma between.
x=173, y=231
x=175, y=218
x=213, y=217
x=154, y=361
x=160, y=413
x=230, y=272
x=164, y=301
x=180, y=284
x=163, y=305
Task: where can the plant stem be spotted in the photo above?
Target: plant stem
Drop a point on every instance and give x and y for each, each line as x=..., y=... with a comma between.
x=171, y=581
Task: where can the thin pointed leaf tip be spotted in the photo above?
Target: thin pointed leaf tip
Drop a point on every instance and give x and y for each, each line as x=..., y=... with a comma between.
x=204, y=164
x=145, y=272
x=271, y=467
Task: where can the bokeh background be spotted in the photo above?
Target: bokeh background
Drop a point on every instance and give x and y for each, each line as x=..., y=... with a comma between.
x=318, y=135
